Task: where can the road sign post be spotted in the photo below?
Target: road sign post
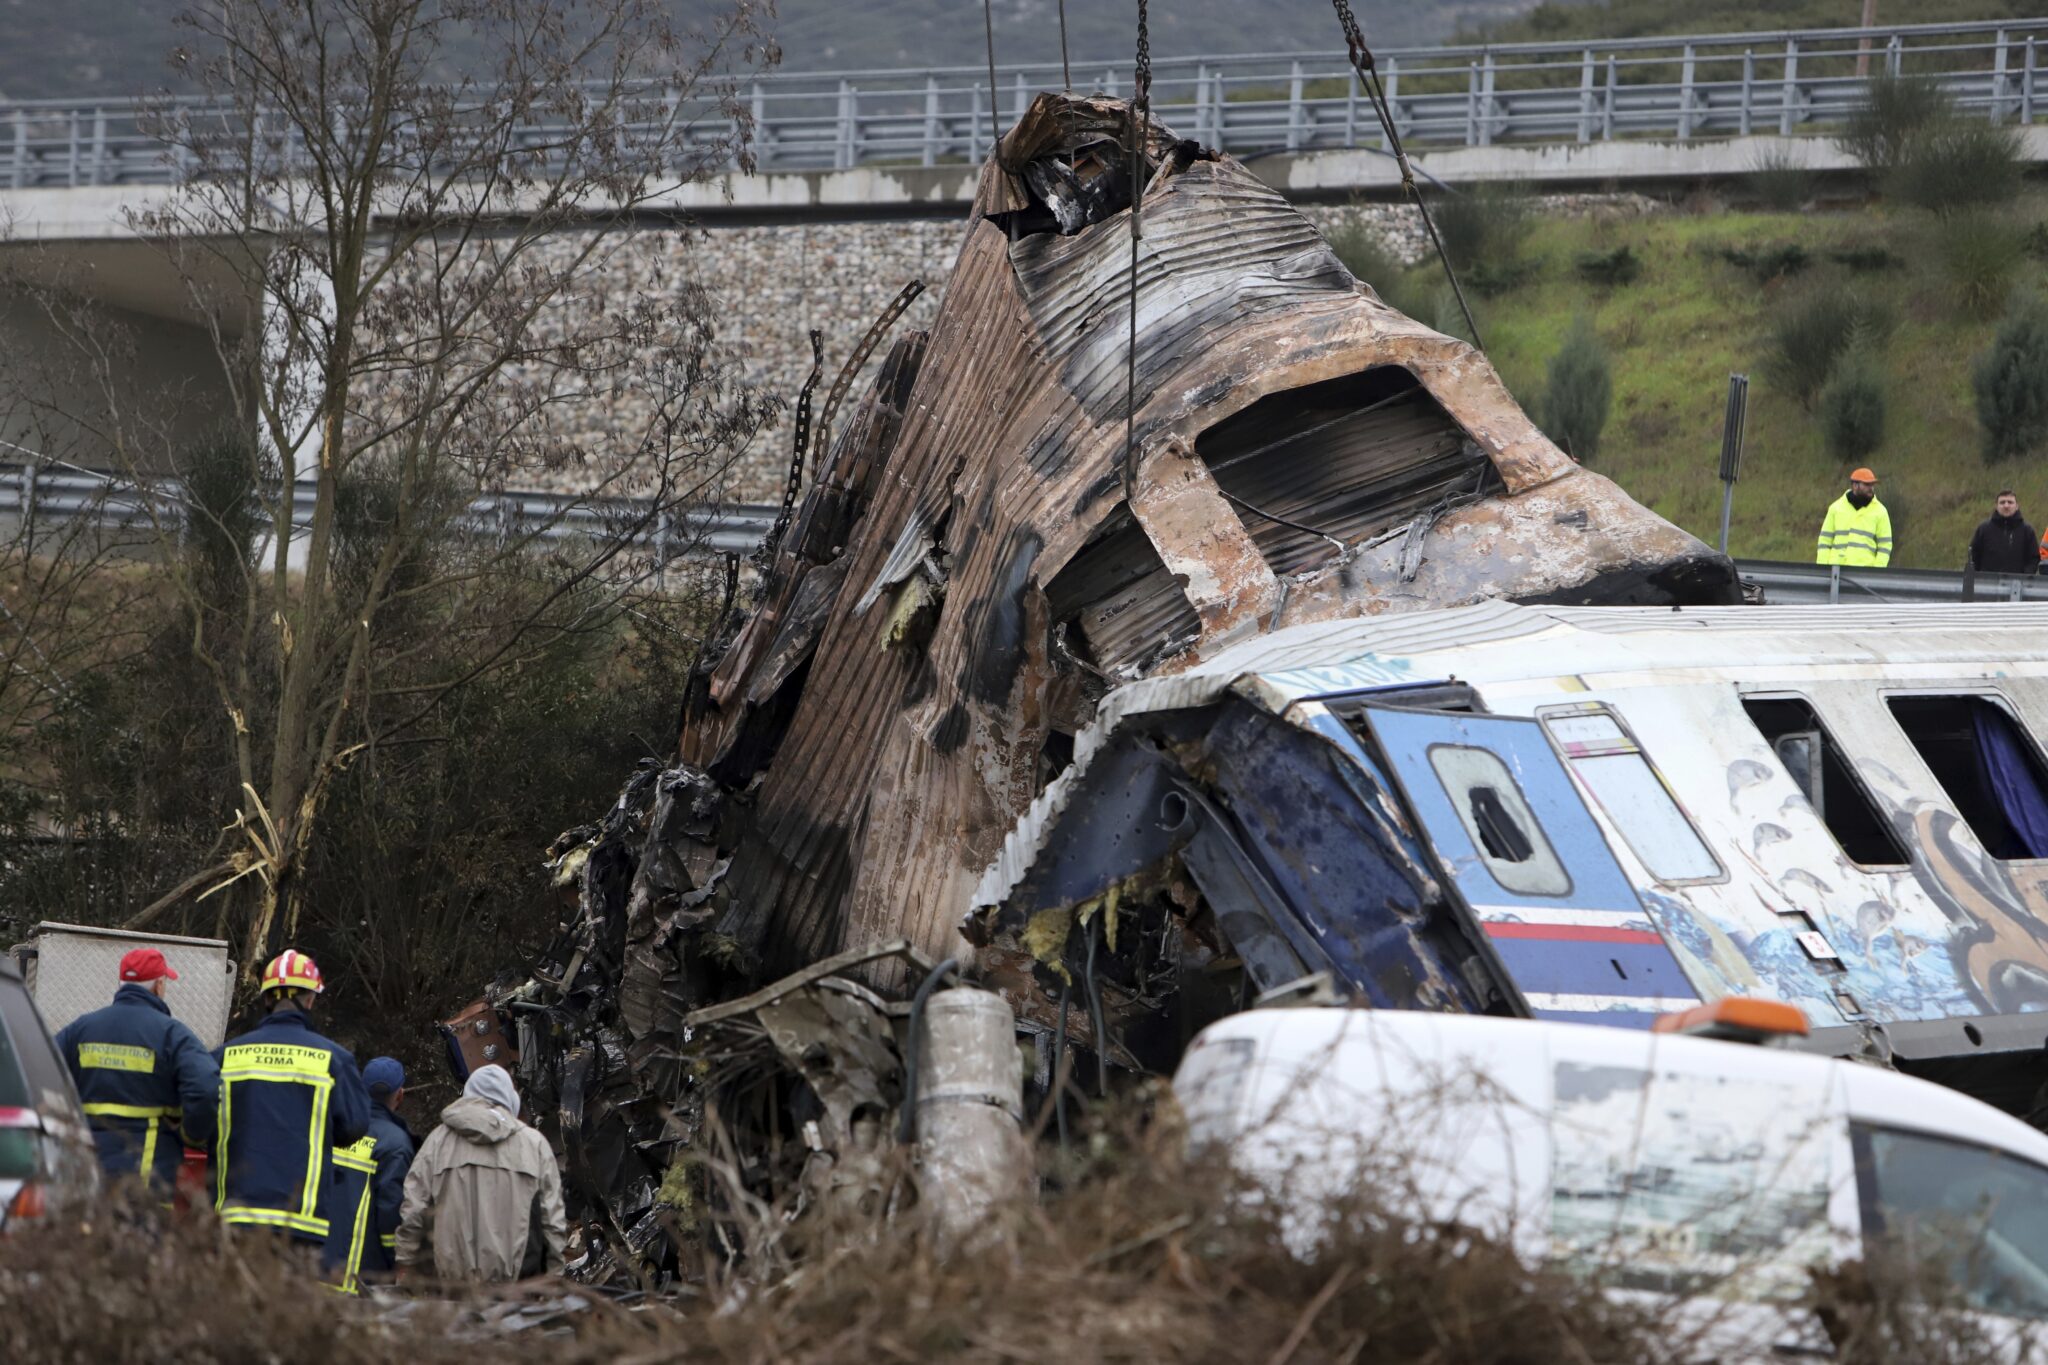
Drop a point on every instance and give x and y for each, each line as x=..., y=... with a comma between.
x=1731, y=448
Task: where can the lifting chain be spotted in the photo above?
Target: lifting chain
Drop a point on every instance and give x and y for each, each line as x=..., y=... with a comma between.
x=855, y=363
x=799, y=443
x=1369, y=77
x=802, y=441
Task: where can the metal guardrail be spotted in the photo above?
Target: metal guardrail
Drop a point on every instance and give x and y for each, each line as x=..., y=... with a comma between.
x=1791, y=583
x=63, y=494
x=1696, y=86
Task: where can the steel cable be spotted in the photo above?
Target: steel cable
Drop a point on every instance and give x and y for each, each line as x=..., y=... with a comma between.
x=1369, y=76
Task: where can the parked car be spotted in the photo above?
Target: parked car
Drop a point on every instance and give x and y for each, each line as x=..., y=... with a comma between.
x=46, y=1152
x=1714, y=1174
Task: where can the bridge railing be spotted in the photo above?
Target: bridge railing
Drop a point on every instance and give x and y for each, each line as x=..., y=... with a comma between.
x=1681, y=88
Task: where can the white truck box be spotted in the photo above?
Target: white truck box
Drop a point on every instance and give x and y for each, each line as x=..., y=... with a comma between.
x=75, y=968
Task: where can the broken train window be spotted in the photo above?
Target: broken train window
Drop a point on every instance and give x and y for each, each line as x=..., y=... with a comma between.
x=1496, y=816
x=1825, y=776
x=1348, y=457
x=1125, y=609
x=1606, y=759
x=1340, y=460
x=1987, y=764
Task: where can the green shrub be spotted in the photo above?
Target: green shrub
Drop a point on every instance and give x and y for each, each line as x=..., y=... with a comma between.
x=1864, y=258
x=2035, y=243
x=2011, y=382
x=1960, y=164
x=1814, y=330
x=1485, y=224
x=1781, y=180
x=1619, y=266
x=1500, y=274
x=1774, y=261
x=1580, y=392
x=1979, y=253
x=1365, y=253
x=1895, y=114
x=1852, y=407
x=1444, y=314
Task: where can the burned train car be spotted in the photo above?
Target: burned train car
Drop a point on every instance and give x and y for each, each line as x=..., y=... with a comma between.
x=1591, y=815
x=979, y=562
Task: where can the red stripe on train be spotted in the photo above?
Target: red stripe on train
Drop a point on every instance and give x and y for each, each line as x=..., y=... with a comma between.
x=1572, y=933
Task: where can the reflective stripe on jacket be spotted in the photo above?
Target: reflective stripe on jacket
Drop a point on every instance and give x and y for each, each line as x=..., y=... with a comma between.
x=395, y=1147
x=342, y=1258
x=369, y=1188
x=1857, y=537
x=287, y=1097
x=148, y=1084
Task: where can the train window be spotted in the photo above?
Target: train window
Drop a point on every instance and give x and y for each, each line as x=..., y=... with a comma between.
x=1630, y=791
x=1497, y=819
x=1990, y=769
x=1822, y=771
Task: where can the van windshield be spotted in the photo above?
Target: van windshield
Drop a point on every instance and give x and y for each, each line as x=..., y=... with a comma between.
x=1974, y=1218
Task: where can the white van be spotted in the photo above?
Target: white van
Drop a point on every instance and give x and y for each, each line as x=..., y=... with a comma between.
x=1685, y=1166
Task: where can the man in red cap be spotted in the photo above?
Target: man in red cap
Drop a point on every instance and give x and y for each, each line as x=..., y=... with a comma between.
x=149, y=1085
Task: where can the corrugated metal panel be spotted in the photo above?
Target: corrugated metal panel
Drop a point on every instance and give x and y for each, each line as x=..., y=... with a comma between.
x=1347, y=458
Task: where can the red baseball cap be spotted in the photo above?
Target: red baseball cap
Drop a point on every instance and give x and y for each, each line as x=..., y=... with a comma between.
x=145, y=964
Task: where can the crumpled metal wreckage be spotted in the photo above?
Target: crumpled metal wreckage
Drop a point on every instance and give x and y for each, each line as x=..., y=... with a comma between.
x=975, y=566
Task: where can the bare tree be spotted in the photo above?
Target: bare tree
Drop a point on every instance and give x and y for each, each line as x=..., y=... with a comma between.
x=403, y=224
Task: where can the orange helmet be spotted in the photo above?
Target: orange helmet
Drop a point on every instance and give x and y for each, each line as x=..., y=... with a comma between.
x=291, y=970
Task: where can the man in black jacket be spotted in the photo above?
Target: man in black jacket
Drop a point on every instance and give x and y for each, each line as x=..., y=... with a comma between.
x=2005, y=543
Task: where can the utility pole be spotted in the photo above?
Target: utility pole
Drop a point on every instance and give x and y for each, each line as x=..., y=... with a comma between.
x=1863, y=44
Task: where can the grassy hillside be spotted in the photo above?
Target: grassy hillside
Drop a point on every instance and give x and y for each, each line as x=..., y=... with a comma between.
x=1691, y=318
x=1570, y=20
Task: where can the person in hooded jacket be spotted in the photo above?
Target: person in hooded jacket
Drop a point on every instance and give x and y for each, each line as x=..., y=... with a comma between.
x=483, y=1201
x=2004, y=543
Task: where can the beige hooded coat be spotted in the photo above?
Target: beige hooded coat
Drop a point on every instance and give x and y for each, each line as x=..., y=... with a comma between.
x=481, y=1188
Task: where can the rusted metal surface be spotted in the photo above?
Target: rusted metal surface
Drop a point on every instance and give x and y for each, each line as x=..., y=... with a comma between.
x=900, y=769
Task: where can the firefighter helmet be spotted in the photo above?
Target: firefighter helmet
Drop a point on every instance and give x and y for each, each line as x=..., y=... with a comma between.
x=291, y=970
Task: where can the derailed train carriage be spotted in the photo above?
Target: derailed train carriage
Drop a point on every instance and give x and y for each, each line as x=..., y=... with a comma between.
x=1592, y=815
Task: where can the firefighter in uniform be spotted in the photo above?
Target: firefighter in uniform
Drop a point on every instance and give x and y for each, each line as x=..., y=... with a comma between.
x=148, y=1084
x=288, y=1097
x=369, y=1185
x=1857, y=532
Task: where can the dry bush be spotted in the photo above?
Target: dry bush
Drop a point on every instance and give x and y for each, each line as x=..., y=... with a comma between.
x=1134, y=1253
x=1143, y=1254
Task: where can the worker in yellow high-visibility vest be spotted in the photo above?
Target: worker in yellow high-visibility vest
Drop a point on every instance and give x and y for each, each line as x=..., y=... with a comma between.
x=1858, y=531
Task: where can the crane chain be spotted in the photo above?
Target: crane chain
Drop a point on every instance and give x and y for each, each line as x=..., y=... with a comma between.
x=1141, y=105
x=1369, y=76
x=800, y=440
x=856, y=362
